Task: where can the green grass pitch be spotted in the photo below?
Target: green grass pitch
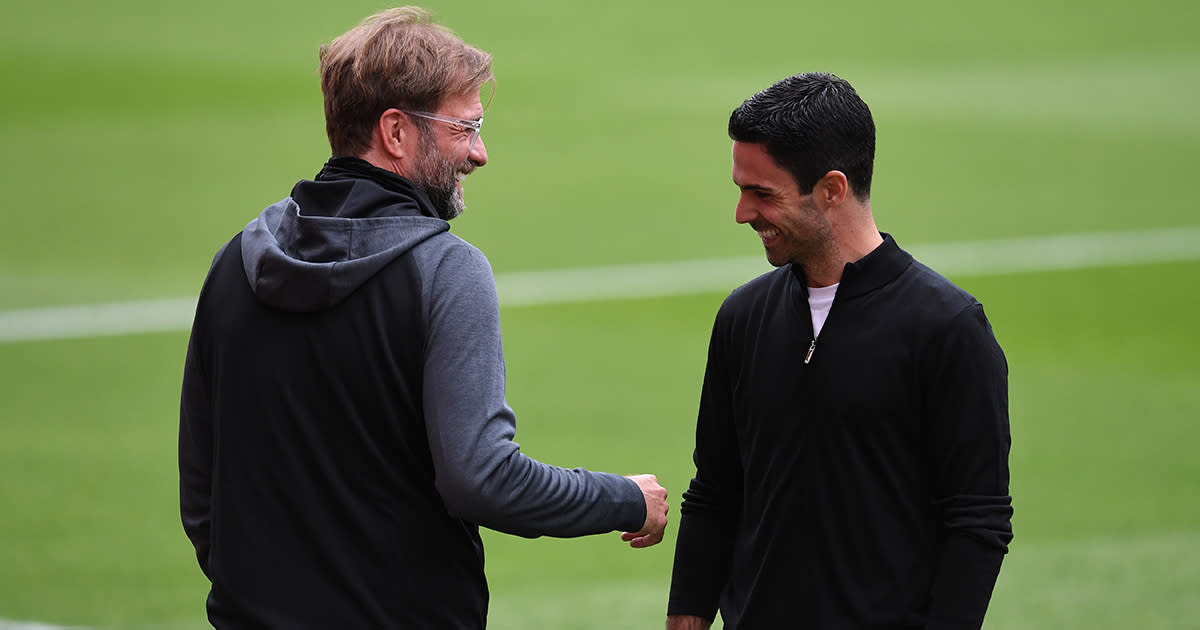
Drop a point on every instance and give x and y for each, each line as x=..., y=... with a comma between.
x=138, y=136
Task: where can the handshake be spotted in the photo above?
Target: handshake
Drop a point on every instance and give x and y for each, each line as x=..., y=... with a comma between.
x=656, y=513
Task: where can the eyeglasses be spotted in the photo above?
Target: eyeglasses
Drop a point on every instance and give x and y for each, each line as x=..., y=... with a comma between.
x=472, y=127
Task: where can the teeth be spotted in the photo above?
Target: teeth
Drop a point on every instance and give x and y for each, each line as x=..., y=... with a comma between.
x=767, y=233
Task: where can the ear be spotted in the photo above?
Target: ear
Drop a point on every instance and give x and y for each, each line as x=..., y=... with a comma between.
x=391, y=132
x=832, y=189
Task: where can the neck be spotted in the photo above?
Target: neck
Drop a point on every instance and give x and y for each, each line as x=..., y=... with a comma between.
x=860, y=242
x=854, y=235
x=380, y=159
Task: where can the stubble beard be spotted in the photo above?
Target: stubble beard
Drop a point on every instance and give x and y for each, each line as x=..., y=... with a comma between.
x=816, y=246
x=436, y=176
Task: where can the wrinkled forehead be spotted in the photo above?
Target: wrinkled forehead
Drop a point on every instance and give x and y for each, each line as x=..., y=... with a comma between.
x=468, y=106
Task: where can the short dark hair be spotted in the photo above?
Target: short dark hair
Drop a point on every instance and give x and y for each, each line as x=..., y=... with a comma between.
x=811, y=124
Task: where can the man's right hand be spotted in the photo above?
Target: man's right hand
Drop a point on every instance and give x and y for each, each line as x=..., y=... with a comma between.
x=656, y=513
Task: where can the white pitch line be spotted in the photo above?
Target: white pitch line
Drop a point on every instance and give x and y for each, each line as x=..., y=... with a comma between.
x=97, y=320
x=9, y=624
x=530, y=288
x=969, y=258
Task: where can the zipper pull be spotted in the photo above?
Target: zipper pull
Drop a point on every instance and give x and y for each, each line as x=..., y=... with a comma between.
x=811, y=349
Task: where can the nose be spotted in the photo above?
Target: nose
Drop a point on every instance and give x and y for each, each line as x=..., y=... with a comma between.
x=478, y=153
x=745, y=211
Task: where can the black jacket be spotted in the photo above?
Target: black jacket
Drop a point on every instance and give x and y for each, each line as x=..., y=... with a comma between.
x=864, y=488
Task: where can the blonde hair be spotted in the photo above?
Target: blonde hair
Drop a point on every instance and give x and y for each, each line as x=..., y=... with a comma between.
x=396, y=58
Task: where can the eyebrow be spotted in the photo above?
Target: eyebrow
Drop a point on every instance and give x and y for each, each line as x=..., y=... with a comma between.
x=757, y=187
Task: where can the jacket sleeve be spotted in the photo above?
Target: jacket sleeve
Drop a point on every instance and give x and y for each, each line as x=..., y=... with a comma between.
x=481, y=473
x=709, y=513
x=195, y=452
x=968, y=399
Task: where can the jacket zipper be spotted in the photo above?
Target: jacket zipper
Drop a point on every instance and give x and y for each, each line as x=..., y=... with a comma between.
x=812, y=347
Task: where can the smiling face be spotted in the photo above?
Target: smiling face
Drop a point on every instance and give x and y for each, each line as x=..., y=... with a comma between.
x=446, y=153
x=792, y=228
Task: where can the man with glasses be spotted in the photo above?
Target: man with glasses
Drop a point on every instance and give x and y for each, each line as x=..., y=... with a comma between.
x=343, y=426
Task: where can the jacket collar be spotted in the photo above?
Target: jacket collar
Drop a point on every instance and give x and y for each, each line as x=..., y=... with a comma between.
x=341, y=168
x=881, y=266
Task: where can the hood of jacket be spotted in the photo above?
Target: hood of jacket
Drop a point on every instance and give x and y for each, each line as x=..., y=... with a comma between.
x=312, y=249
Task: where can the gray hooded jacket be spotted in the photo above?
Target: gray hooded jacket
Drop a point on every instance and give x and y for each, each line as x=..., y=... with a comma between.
x=343, y=399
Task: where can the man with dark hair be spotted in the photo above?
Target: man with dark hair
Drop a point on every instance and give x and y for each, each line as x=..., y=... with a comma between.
x=852, y=440
x=343, y=427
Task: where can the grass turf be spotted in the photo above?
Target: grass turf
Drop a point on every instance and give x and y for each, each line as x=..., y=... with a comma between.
x=141, y=135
